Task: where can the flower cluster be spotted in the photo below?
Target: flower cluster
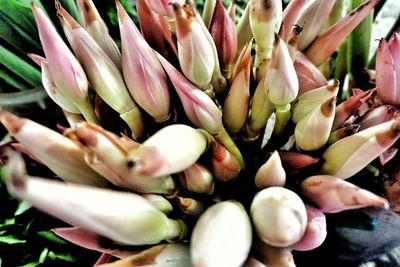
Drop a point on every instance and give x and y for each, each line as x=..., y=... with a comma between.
x=185, y=147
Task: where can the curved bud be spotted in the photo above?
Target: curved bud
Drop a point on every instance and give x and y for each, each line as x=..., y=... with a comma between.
x=97, y=28
x=310, y=100
x=315, y=231
x=236, y=105
x=225, y=165
x=309, y=76
x=295, y=161
x=159, y=202
x=312, y=19
x=107, y=155
x=58, y=153
x=191, y=206
x=358, y=150
x=172, y=149
x=388, y=71
x=271, y=173
x=379, y=115
x=198, y=179
x=222, y=29
x=198, y=106
x=125, y=218
x=222, y=236
x=195, y=53
x=332, y=194
x=143, y=73
x=312, y=132
x=279, y=216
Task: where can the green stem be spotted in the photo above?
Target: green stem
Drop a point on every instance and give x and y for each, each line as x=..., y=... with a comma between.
x=87, y=111
x=224, y=138
x=134, y=120
x=282, y=117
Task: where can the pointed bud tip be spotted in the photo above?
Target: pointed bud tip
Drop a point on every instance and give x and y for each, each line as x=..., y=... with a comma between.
x=11, y=122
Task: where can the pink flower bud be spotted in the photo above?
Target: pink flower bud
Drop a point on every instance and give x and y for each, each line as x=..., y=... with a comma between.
x=225, y=165
x=379, y=115
x=164, y=7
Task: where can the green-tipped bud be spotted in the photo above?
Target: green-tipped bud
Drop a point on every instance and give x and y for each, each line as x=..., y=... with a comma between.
x=265, y=20
x=159, y=202
x=108, y=155
x=271, y=173
x=222, y=236
x=195, y=53
x=279, y=216
x=312, y=131
x=191, y=206
x=58, y=153
x=170, y=150
x=236, y=104
x=225, y=165
x=310, y=100
x=125, y=218
x=97, y=28
x=198, y=179
x=143, y=73
x=349, y=155
x=332, y=194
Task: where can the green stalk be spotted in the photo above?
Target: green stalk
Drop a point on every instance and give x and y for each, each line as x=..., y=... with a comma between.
x=87, y=111
x=208, y=11
x=224, y=138
x=283, y=115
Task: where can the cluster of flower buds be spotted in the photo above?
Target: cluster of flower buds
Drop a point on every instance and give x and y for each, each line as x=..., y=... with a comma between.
x=230, y=144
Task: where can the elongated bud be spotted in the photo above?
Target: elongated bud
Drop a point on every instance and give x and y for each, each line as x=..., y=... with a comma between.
x=57, y=152
x=225, y=165
x=387, y=70
x=358, y=150
x=343, y=132
x=295, y=161
x=289, y=17
x=350, y=107
x=103, y=75
x=312, y=132
x=243, y=29
x=324, y=46
x=97, y=28
x=310, y=77
x=196, y=55
x=332, y=194
x=191, y=206
x=315, y=231
x=66, y=72
x=89, y=240
x=159, y=202
x=167, y=255
x=379, y=115
x=155, y=30
x=236, y=105
x=271, y=173
x=198, y=106
x=265, y=19
x=198, y=179
x=312, y=19
x=223, y=225
x=222, y=29
x=274, y=256
x=279, y=216
x=107, y=154
x=170, y=150
x=143, y=73
x=164, y=7
x=310, y=100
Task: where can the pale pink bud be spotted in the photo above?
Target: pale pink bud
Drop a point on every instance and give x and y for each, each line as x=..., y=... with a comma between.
x=332, y=194
x=225, y=165
x=164, y=7
x=271, y=173
x=289, y=17
x=198, y=179
x=295, y=161
x=378, y=115
x=388, y=70
x=324, y=46
x=315, y=231
x=143, y=73
x=198, y=106
x=222, y=29
x=191, y=206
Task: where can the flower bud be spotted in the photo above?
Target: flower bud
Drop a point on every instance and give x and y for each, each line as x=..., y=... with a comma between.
x=387, y=70
x=195, y=53
x=225, y=165
x=312, y=131
x=222, y=236
x=315, y=231
x=332, y=194
x=191, y=206
x=295, y=161
x=164, y=7
x=159, y=202
x=271, y=173
x=198, y=179
x=351, y=154
x=279, y=216
x=123, y=217
x=143, y=73
x=236, y=105
x=58, y=153
x=379, y=115
x=97, y=28
x=289, y=17
x=310, y=100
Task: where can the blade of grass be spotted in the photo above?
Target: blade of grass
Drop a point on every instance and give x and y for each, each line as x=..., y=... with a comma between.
x=9, y=80
x=72, y=8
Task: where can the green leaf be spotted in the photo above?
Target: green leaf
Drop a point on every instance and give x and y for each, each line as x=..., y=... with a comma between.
x=31, y=264
x=52, y=237
x=11, y=81
x=22, y=207
x=72, y=9
x=20, y=67
x=10, y=240
x=43, y=256
x=61, y=256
